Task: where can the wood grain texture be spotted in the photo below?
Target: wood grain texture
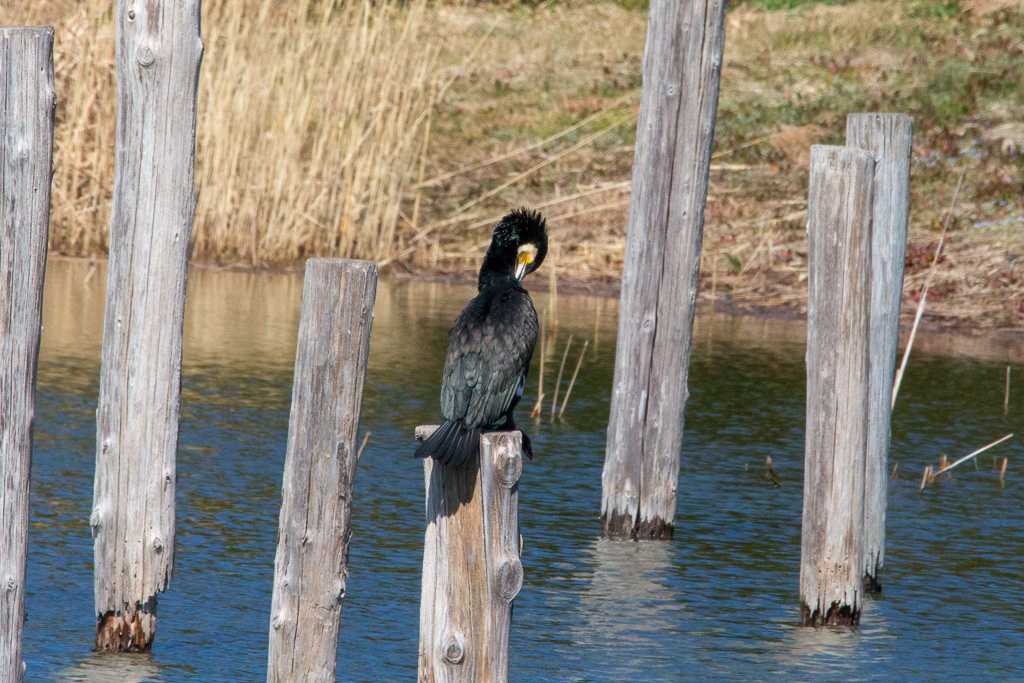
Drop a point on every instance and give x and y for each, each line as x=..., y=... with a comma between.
x=682, y=64
x=26, y=160
x=159, y=51
x=888, y=138
x=311, y=567
x=471, y=566
x=839, y=256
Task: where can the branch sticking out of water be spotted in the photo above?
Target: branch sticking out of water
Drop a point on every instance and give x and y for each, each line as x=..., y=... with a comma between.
x=558, y=382
x=362, y=446
x=926, y=477
x=538, y=406
x=1006, y=393
x=924, y=290
x=572, y=382
x=931, y=475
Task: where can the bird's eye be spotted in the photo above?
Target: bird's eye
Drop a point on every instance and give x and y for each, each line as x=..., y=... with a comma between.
x=527, y=253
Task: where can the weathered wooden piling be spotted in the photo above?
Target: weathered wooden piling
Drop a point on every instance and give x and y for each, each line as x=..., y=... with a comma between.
x=887, y=137
x=311, y=568
x=159, y=51
x=839, y=210
x=471, y=565
x=26, y=160
x=682, y=64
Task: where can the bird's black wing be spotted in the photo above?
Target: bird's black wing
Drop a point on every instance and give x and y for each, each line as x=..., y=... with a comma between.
x=489, y=351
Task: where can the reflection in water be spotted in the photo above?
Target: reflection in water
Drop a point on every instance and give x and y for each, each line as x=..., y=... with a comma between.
x=717, y=602
x=804, y=644
x=631, y=580
x=108, y=668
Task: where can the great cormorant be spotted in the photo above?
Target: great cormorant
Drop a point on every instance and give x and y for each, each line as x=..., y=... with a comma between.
x=490, y=346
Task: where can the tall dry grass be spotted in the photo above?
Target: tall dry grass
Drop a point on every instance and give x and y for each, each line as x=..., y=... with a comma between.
x=313, y=123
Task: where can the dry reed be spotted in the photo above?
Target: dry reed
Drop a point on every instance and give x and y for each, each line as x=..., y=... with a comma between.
x=924, y=289
x=312, y=127
x=362, y=446
x=1006, y=393
x=276, y=182
x=558, y=382
x=945, y=466
x=538, y=406
x=575, y=373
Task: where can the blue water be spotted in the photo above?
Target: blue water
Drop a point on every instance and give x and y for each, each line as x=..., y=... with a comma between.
x=718, y=602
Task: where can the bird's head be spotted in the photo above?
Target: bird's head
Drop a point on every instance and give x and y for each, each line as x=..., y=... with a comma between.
x=519, y=244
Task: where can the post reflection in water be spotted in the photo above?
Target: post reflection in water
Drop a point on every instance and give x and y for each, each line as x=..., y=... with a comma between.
x=107, y=667
x=633, y=579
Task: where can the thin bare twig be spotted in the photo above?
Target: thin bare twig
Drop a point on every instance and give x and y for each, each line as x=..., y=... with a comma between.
x=1006, y=393
x=924, y=289
x=362, y=446
x=967, y=457
x=523, y=150
x=612, y=187
x=558, y=382
x=926, y=477
x=547, y=162
x=538, y=406
x=572, y=382
x=458, y=215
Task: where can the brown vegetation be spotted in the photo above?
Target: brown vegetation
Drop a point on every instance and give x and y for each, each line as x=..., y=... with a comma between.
x=312, y=127
x=401, y=133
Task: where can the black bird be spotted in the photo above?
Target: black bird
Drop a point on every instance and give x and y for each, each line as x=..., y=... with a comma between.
x=490, y=346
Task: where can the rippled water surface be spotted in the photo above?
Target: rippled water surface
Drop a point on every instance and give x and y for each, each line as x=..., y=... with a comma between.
x=718, y=602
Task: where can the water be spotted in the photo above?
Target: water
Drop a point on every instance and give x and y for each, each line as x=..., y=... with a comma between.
x=718, y=602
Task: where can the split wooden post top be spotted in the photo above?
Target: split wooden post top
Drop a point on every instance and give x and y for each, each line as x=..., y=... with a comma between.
x=471, y=566
x=888, y=138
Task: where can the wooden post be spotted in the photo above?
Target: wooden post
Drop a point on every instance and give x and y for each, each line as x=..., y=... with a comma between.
x=682, y=63
x=158, y=55
x=888, y=138
x=471, y=565
x=26, y=160
x=311, y=568
x=839, y=257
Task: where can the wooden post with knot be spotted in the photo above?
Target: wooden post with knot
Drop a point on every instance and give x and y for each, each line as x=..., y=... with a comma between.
x=311, y=567
x=471, y=565
x=26, y=163
x=839, y=210
x=159, y=50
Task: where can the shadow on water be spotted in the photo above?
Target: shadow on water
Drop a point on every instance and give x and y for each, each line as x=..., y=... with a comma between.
x=717, y=602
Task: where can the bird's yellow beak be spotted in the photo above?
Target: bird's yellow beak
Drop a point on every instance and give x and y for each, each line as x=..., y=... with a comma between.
x=524, y=258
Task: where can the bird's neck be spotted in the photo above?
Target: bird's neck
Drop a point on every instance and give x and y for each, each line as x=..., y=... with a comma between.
x=499, y=265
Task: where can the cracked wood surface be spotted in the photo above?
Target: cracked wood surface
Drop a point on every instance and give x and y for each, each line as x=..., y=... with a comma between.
x=679, y=100
x=839, y=261
x=311, y=565
x=471, y=566
x=888, y=138
x=26, y=161
x=158, y=54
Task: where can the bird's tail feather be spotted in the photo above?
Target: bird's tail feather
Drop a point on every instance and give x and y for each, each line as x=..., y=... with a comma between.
x=451, y=444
